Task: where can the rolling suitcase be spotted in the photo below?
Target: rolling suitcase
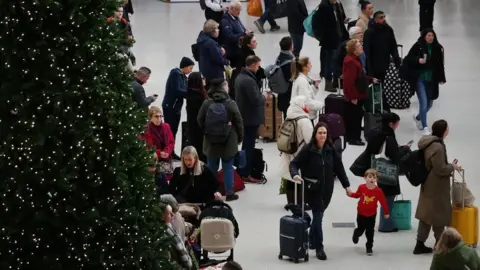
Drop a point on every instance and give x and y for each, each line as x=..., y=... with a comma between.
x=185, y=141
x=273, y=120
x=373, y=110
x=465, y=219
x=336, y=103
x=396, y=90
x=294, y=234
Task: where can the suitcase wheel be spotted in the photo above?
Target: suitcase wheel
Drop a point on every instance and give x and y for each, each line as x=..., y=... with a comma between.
x=296, y=260
x=280, y=257
x=306, y=258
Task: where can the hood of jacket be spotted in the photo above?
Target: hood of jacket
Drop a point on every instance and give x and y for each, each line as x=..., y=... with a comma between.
x=296, y=107
x=421, y=39
x=218, y=94
x=455, y=256
x=203, y=37
x=426, y=140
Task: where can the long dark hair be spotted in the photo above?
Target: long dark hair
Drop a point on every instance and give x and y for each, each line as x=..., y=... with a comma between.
x=244, y=41
x=195, y=83
x=363, y=4
x=421, y=39
x=389, y=118
x=313, y=140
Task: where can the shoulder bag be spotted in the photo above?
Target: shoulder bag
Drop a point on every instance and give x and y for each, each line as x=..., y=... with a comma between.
x=387, y=170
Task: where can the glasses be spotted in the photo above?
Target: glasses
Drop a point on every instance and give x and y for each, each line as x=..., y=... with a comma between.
x=158, y=116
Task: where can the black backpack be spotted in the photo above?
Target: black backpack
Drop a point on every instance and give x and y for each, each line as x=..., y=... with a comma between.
x=217, y=122
x=414, y=166
x=259, y=166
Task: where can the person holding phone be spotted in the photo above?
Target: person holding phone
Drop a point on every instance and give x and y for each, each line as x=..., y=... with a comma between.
x=141, y=77
x=383, y=140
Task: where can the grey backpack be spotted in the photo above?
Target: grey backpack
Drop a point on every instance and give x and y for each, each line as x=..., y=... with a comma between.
x=276, y=80
x=217, y=123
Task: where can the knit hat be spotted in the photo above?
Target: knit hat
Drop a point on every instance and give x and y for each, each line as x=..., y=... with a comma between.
x=186, y=62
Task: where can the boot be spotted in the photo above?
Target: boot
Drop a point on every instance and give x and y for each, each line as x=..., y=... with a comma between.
x=420, y=248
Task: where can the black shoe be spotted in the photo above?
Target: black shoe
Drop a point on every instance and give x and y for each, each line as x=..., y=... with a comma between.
x=175, y=157
x=369, y=251
x=321, y=255
x=356, y=143
x=420, y=248
x=390, y=231
x=274, y=28
x=231, y=197
x=355, y=238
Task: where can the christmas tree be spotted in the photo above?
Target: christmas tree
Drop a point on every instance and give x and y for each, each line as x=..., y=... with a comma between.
x=75, y=192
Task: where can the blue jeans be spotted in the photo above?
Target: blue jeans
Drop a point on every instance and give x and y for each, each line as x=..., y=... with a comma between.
x=266, y=16
x=227, y=167
x=297, y=40
x=387, y=224
x=316, y=230
x=327, y=64
x=424, y=101
x=249, y=137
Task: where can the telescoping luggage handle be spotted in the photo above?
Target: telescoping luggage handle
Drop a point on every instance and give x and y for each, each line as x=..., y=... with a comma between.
x=401, y=50
x=373, y=96
x=303, y=196
x=461, y=172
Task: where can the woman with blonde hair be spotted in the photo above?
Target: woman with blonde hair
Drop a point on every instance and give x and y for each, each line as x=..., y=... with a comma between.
x=451, y=253
x=304, y=86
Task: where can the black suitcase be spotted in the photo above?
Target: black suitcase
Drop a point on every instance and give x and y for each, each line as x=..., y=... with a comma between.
x=185, y=141
x=373, y=120
x=294, y=234
x=336, y=103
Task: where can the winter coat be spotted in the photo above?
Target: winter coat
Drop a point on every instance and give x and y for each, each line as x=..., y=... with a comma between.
x=362, y=22
x=421, y=2
x=321, y=165
x=411, y=69
x=231, y=29
x=240, y=63
x=230, y=148
x=219, y=209
x=175, y=90
x=375, y=146
x=168, y=141
x=197, y=186
x=379, y=44
x=249, y=98
x=303, y=86
x=324, y=25
x=434, y=204
x=211, y=61
x=195, y=101
x=297, y=13
x=457, y=258
x=139, y=95
x=304, y=132
x=352, y=70
x=283, y=100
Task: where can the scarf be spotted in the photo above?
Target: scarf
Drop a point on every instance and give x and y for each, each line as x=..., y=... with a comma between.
x=159, y=135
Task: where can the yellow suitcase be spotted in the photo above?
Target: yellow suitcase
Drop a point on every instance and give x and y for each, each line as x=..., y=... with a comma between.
x=465, y=219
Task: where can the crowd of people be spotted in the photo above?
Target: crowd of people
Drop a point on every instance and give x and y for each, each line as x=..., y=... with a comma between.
x=225, y=103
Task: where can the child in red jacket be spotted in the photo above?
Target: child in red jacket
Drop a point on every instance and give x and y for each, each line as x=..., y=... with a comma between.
x=370, y=194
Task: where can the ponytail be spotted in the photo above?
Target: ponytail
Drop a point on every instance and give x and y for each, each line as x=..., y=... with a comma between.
x=363, y=4
x=297, y=66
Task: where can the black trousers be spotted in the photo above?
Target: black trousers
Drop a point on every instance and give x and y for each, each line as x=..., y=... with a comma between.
x=172, y=117
x=426, y=16
x=366, y=225
x=213, y=15
x=353, y=121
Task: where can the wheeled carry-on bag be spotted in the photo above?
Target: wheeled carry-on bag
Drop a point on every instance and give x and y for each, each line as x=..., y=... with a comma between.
x=336, y=103
x=397, y=90
x=294, y=233
x=373, y=110
x=465, y=219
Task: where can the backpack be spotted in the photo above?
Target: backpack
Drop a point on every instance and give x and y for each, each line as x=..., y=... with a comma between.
x=414, y=166
x=217, y=123
x=351, y=24
x=195, y=52
x=287, y=138
x=203, y=5
x=276, y=80
x=259, y=165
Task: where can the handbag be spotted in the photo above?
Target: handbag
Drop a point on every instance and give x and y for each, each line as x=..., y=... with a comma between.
x=387, y=170
x=254, y=8
x=278, y=9
x=461, y=194
x=165, y=167
x=307, y=23
x=401, y=213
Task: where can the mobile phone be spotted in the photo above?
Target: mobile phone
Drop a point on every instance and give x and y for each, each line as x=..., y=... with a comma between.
x=455, y=161
x=410, y=142
x=155, y=95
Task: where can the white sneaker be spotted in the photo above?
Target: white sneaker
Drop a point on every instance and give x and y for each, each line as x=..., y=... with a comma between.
x=426, y=131
x=417, y=122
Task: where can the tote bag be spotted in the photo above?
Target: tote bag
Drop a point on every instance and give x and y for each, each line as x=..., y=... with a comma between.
x=401, y=213
x=387, y=171
x=307, y=23
x=254, y=8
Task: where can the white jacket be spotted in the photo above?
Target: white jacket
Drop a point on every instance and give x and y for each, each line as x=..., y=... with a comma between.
x=215, y=5
x=304, y=132
x=302, y=87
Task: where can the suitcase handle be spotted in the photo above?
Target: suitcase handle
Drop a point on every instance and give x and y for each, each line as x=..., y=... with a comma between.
x=373, y=96
x=462, y=175
x=295, y=200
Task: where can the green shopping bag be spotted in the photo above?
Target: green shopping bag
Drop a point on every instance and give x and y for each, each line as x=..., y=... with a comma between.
x=373, y=103
x=401, y=213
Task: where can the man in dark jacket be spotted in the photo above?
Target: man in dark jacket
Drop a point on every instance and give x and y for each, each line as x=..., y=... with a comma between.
x=231, y=30
x=251, y=105
x=141, y=77
x=286, y=48
x=297, y=13
x=212, y=59
x=427, y=8
x=175, y=92
x=328, y=25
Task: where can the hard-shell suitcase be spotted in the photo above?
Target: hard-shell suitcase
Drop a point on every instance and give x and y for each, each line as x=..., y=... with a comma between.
x=273, y=120
x=294, y=234
x=336, y=103
x=373, y=116
x=465, y=219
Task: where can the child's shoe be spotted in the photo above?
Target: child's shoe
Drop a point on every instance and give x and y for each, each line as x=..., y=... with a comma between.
x=355, y=237
x=369, y=251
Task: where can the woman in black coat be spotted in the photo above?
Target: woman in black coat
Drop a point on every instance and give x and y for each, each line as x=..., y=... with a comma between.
x=196, y=95
x=383, y=140
x=424, y=69
x=318, y=162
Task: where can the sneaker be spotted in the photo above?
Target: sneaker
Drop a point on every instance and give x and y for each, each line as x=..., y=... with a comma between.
x=259, y=26
x=321, y=255
x=426, y=131
x=274, y=28
x=355, y=238
x=418, y=123
x=231, y=197
x=420, y=248
x=369, y=251
x=253, y=180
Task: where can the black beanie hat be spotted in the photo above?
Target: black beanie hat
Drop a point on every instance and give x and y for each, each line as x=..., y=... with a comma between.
x=186, y=62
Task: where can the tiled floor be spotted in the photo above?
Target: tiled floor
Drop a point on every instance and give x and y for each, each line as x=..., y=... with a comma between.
x=164, y=33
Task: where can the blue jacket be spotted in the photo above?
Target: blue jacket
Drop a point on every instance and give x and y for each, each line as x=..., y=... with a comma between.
x=211, y=61
x=175, y=90
x=231, y=29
